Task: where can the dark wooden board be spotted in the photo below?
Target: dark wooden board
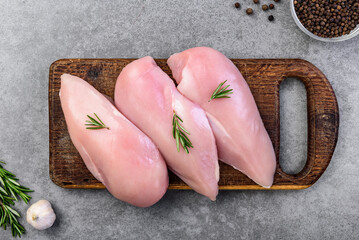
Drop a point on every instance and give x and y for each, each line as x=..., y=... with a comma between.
x=263, y=77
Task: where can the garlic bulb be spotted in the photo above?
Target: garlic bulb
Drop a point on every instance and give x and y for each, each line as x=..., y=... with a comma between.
x=40, y=215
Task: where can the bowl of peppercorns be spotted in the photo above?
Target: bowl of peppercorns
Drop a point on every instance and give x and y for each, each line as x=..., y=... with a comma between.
x=327, y=20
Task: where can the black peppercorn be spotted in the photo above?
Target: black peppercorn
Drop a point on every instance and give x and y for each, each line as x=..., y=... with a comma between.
x=276, y=0
x=271, y=18
x=271, y=6
x=328, y=18
x=256, y=1
x=265, y=7
x=249, y=11
x=237, y=5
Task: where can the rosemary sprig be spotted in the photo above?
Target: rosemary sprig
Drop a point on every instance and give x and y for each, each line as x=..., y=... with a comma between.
x=221, y=92
x=179, y=133
x=94, y=124
x=10, y=189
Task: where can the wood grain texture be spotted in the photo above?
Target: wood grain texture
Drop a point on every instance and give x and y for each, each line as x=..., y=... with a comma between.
x=263, y=77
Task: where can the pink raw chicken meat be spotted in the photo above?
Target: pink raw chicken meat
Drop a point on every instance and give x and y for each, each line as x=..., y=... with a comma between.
x=148, y=97
x=241, y=138
x=123, y=158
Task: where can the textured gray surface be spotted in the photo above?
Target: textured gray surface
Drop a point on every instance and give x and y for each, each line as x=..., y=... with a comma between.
x=33, y=34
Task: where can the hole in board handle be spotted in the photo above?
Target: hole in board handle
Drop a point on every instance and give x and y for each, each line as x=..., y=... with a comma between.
x=293, y=126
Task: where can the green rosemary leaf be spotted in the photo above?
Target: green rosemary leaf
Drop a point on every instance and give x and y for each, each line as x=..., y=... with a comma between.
x=186, y=149
x=223, y=95
x=177, y=141
x=219, y=86
x=3, y=190
x=93, y=120
x=91, y=124
x=94, y=123
x=182, y=142
x=98, y=118
x=9, y=190
x=25, y=189
x=173, y=130
x=94, y=128
x=221, y=92
x=185, y=137
x=179, y=134
x=223, y=89
x=13, y=211
x=12, y=193
x=227, y=91
x=179, y=118
x=184, y=129
x=24, y=196
x=13, y=181
x=6, y=172
x=18, y=231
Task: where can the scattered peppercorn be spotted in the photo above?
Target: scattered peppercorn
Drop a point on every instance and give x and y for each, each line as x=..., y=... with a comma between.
x=328, y=18
x=249, y=11
x=265, y=7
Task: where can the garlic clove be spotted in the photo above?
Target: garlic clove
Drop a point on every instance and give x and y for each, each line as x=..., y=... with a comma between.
x=40, y=215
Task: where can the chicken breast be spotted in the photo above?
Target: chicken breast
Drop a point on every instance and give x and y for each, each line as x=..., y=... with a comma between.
x=122, y=157
x=149, y=98
x=241, y=138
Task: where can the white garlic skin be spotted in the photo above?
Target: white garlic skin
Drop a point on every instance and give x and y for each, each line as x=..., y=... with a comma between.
x=40, y=215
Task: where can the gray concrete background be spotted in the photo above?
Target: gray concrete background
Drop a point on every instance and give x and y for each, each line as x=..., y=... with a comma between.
x=33, y=34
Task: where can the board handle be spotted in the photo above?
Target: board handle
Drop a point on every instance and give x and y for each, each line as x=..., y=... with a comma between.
x=323, y=121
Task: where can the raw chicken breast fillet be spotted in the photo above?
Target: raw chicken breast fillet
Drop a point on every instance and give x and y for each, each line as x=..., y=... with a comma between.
x=148, y=98
x=123, y=158
x=241, y=138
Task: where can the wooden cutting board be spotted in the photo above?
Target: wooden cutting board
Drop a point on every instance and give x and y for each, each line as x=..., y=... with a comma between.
x=263, y=77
